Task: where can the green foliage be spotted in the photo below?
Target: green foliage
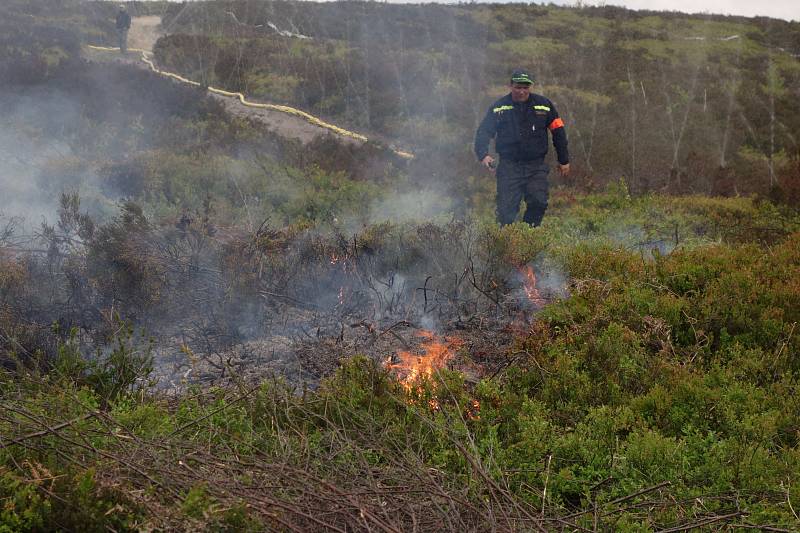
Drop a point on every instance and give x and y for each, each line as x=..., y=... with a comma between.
x=516, y=244
x=23, y=509
x=529, y=49
x=122, y=369
x=275, y=87
x=196, y=503
x=40, y=501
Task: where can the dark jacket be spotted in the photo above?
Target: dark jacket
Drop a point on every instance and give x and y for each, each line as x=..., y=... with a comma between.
x=520, y=130
x=123, y=20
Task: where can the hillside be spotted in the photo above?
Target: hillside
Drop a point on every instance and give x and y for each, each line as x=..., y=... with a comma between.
x=667, y=101
x=209, y=324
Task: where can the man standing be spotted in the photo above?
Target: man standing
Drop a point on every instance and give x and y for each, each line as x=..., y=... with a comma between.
x=519, y=123
x=123, y=25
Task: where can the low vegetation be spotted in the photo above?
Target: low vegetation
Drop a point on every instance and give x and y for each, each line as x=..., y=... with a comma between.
x=661, y=392
x=200, y=333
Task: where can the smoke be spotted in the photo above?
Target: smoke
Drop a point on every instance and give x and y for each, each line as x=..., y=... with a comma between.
x=430, y=323
x=409, y=206
x=62, y=136
x=636, y=237
x=38, y=159
x=29, y=154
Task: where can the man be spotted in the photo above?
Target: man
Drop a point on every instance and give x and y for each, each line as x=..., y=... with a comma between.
x=123, y=25
x=519, y=123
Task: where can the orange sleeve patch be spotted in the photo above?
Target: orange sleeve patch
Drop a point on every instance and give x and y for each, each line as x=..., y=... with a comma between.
x=557, y=123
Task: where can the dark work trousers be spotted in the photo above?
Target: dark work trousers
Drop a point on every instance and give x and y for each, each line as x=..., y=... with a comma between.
x=517, y=180
x=122, y=33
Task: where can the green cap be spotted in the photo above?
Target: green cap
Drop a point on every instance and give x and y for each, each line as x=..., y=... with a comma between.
x=521, y=76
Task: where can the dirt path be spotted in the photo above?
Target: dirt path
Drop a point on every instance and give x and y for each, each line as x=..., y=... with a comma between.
x=144, y=32
x=283, y=124
x=143, y=35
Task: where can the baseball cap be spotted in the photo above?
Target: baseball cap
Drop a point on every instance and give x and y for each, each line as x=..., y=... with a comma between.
x=521, y=76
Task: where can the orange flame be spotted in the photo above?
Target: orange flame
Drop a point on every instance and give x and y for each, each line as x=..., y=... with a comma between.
x=342, y=261
x=474, y=410
x=412, y=367
x=529, y=286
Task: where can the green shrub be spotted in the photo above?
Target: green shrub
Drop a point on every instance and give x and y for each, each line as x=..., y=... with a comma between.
x=124, y=368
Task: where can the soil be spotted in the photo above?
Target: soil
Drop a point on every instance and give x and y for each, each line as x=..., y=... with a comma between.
x=144, y=32
x=283, y=124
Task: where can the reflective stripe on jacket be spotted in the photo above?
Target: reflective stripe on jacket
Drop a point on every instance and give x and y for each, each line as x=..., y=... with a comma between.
x=520, y=130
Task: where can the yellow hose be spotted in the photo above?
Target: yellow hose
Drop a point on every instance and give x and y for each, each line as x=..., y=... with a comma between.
x=281, y=108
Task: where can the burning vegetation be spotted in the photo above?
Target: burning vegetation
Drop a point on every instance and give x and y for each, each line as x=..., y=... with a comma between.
x=414, y=369
x=529, y=286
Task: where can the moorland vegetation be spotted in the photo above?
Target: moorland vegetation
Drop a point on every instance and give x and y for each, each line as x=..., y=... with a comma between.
x=656, y=388
x=671, y=101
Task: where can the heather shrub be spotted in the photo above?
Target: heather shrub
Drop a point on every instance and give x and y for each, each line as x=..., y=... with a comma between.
x=513, y=245
x=68, y=501
x=654, y=387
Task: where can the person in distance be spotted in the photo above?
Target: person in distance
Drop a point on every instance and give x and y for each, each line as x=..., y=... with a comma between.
x=123, y=25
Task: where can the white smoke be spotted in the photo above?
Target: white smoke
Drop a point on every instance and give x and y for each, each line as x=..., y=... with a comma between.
x=410, y=206
x=28, y=150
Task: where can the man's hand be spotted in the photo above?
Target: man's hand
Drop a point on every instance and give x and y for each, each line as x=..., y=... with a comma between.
x=488, y=162
x=562, y=169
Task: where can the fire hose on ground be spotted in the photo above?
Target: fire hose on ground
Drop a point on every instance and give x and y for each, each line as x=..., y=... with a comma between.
x=272, y=107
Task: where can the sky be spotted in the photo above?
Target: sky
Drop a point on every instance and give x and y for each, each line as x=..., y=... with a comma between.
x=782, y=9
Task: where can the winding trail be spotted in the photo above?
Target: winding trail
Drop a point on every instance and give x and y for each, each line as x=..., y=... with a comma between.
x=284, y=120
x=144, y=32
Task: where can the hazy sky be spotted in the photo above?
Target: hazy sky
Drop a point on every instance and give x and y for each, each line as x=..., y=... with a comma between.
x=783, y=9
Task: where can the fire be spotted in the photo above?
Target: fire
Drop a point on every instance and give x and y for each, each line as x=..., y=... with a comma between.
x=529, y=286
x=414, y=367
x=474, y=410
x=342, y=261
